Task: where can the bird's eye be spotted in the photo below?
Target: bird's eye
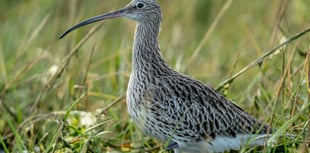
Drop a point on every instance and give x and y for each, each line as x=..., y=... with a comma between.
x=140, y=5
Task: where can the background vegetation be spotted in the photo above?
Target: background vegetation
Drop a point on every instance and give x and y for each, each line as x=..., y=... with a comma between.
x=81, y=108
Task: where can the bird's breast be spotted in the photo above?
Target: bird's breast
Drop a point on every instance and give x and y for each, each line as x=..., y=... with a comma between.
x=136, y=101
x=140, y=102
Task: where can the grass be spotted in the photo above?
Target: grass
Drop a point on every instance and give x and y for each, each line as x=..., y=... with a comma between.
x=62, y=96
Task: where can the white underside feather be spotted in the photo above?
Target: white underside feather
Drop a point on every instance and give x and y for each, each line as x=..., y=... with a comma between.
x=222, y=144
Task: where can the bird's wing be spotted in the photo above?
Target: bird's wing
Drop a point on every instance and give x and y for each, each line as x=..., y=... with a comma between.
x=197, y=111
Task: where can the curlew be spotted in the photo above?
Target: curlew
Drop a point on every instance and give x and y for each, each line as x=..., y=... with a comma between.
x=186, y=114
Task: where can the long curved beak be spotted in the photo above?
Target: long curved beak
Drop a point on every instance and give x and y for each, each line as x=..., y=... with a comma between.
x=115, y=14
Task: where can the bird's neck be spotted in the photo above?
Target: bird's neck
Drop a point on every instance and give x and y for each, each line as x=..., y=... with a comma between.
x=146, y=53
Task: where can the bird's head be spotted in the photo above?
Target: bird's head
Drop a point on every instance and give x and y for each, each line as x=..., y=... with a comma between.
x=142, y=11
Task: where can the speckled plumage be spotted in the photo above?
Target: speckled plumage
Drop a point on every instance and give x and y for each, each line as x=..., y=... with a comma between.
x=167, y=105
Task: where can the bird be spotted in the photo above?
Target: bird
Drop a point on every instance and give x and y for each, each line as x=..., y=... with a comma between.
x=184, y=113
